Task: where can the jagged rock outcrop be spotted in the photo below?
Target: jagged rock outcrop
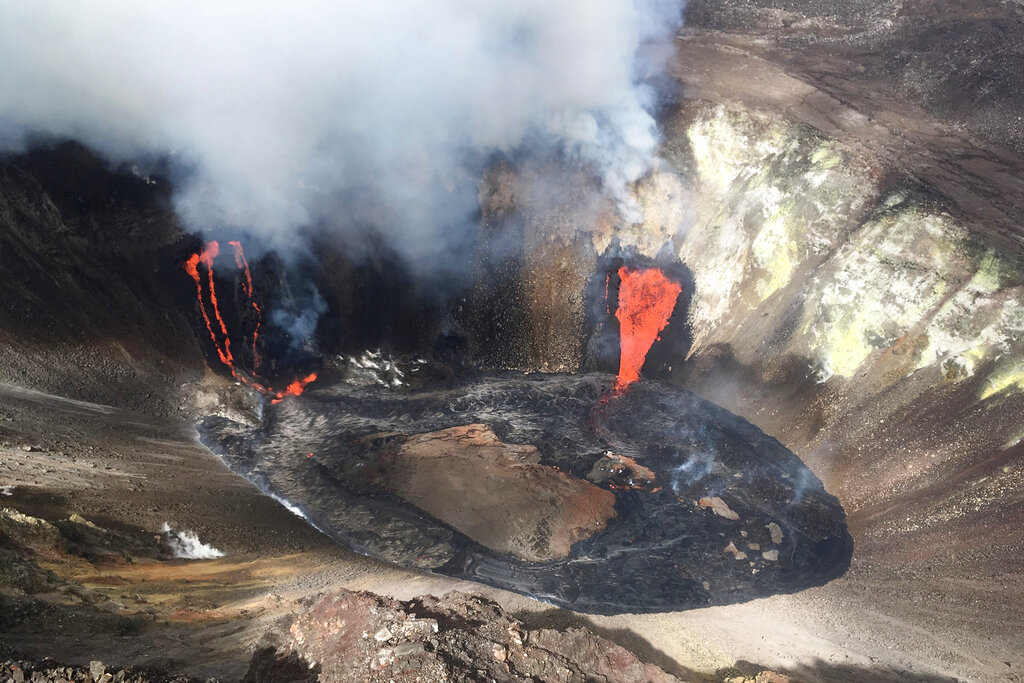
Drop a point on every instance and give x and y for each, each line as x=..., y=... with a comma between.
x=347, y=637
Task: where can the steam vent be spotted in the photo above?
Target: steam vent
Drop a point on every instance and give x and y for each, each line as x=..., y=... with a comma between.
x=635, y=341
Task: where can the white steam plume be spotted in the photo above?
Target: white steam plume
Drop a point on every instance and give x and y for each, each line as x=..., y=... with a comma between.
x=282, y=112
x=187, y=546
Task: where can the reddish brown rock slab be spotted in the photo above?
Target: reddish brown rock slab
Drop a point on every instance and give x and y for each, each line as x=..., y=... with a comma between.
x=621, y=472
x=345, y=637
x=498, y=494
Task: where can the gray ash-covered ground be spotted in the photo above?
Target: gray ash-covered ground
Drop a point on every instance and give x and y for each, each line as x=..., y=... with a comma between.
x=650, y=500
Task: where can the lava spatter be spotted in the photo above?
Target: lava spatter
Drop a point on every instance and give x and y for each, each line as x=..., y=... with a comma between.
x=206, y=256
x=646, y=301
x=295, y=388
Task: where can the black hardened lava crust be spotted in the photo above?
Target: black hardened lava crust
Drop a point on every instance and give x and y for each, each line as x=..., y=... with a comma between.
x=662, y=551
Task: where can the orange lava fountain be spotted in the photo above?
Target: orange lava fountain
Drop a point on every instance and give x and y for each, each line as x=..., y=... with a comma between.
x=646, y=301
x=222, y=345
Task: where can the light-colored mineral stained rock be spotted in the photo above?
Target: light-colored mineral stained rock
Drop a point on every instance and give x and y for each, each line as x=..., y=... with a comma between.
x=735, y=552
x=719, y=507
x=29, y=532
x=776, y=531
x=498, y=494
x=776, y=217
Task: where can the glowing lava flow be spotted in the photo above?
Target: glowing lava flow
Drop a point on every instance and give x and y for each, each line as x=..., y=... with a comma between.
x=295, y=388
x=205, y=257
x=646, y=301
x=243, y=265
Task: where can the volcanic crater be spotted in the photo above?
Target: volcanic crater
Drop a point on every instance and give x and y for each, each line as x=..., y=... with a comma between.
x=814, y=462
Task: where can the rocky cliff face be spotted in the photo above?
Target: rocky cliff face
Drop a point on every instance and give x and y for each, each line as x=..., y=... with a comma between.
x=817, y=279
x=959, y=60
x=92, y=301
x=858, y=293
x=822, y=277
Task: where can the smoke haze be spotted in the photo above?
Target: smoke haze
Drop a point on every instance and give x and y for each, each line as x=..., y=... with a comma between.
x=276, y=115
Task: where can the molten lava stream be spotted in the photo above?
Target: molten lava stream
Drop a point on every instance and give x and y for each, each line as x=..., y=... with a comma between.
x=295, y=388
x=191, y=266
x=206, y=257
x=646, y=301
x=243, y=264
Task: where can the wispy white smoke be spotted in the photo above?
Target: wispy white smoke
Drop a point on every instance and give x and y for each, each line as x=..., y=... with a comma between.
x=187, y=546
x=282, y=112
x=294, y=509
x=300, y=322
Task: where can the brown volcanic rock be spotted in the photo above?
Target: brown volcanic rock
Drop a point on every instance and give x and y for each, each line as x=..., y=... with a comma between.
x=498, y=494
x=621, y=472
x=346, y=637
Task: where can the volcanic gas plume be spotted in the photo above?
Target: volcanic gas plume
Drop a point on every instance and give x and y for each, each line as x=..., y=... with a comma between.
x=222, y=345
x=646, y=300
x=389, y=105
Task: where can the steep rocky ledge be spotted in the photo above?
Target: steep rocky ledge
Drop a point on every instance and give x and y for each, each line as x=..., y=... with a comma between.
x=92, y=305
x=859, y=294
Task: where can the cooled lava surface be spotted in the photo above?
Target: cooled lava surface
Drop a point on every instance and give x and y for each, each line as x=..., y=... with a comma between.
x=549, y=485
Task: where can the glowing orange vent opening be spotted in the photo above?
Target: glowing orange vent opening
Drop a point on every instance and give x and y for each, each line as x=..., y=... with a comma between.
x=646, y=301
x=222, y=343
